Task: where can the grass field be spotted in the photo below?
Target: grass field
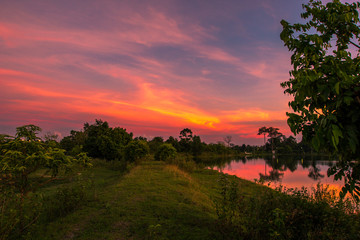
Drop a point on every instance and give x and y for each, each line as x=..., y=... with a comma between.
x=153, y=201
x=156, y=200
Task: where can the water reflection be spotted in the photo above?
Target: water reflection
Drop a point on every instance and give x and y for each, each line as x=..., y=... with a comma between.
x=290, y=171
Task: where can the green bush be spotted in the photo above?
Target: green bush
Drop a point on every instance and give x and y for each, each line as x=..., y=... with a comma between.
x=166, y=152
x=63, y=202
x=285, y=214
x=136, y=150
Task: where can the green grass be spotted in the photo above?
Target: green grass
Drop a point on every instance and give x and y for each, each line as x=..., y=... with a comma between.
x=153, y=201
x=156, y=200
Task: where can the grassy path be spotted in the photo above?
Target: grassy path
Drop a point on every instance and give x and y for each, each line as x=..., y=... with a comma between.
x=153, y=201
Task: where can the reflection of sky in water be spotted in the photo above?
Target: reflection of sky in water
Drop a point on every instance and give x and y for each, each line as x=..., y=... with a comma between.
x=254, y=168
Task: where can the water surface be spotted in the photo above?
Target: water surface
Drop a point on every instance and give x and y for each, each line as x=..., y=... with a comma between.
x=290, y=171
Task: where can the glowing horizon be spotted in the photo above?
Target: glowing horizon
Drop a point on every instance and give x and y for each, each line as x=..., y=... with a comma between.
x=153, y=68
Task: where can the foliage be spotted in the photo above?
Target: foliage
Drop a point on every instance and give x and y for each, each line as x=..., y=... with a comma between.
x=74, y=143
x=63, y=202
x=136, y=150
x=105, y=142
x=186, y=134
x=284, y=214
x=20, y=157
x=25, y=154
x=272, y=133
x=166, y=152
x=325, y=83
x=197, y=146
x=155, y=143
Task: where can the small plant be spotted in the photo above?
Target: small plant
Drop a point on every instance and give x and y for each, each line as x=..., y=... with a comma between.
x=156, y=232
x=64, y=201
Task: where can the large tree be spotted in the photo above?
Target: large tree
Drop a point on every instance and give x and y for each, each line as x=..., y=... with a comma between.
x=325, y=83
x=273, y=134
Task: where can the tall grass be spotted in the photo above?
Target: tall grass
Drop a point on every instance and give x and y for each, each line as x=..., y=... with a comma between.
x=285, y=214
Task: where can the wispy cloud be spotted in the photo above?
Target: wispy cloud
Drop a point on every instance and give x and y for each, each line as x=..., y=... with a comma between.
x=145, y=65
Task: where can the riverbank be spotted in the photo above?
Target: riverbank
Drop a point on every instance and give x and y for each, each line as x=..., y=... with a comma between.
x=155, y=200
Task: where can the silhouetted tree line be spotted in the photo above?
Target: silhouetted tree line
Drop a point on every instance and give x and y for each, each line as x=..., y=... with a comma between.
x=279, y=143
x=99, y=140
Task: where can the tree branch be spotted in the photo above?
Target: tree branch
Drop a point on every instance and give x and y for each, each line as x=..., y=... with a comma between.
x=355, y=44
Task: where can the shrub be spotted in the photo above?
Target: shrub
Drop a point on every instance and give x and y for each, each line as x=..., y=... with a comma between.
x=165, y=152
x=136, y=150
x=63, y=202
x=284, y=214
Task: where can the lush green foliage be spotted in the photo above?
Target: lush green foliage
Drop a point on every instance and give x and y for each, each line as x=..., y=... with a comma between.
x=325, y=83
x=287, y=214
x=103, y=141
x=136, y=150
x=20, y=157
x=165, y=152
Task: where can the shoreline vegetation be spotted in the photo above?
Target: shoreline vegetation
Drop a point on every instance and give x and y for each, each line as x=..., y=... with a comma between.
x=101, y=183
x=176, y=200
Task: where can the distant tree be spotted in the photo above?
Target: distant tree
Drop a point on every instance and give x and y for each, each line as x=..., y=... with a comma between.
x=74, y=143
x=50, y=136
x=51, y=140
x=136, y=150
x=314, y=172
x=325, y=83
x=140, y=138
x=186, y=137
x=186, y=134
x=288, y=145
x=196, y=146
x=105, y=142
x=173, y=141
x=263, y=130
x=228, y=139
x=155, y=143
x=272, y=133
x=165, y=152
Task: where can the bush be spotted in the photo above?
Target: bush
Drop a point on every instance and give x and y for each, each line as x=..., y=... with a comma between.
x=165, y=152
x=136, y=150
x=284, y=214
x=63, y=202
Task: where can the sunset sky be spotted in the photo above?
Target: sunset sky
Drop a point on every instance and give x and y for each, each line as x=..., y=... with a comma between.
x=152, y=67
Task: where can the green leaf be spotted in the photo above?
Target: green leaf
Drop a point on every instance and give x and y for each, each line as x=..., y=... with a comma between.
x=337, y=88
x=336, y=132
x=316, y=143
x=348, y=100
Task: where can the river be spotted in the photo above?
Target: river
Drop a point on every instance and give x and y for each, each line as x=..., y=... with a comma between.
x=289, y=171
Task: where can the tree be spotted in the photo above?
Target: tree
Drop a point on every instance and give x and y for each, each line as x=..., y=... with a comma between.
x=21, y=156
x=173, y=141
x=74, y=143
x=196, y=146
x=105, y=142
x=273, y=134
x=165, y=152
x=186, y=134
x=136, y=150
x=155, y=143
x=186, y=137
x=228, y=139
x=325, y=83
